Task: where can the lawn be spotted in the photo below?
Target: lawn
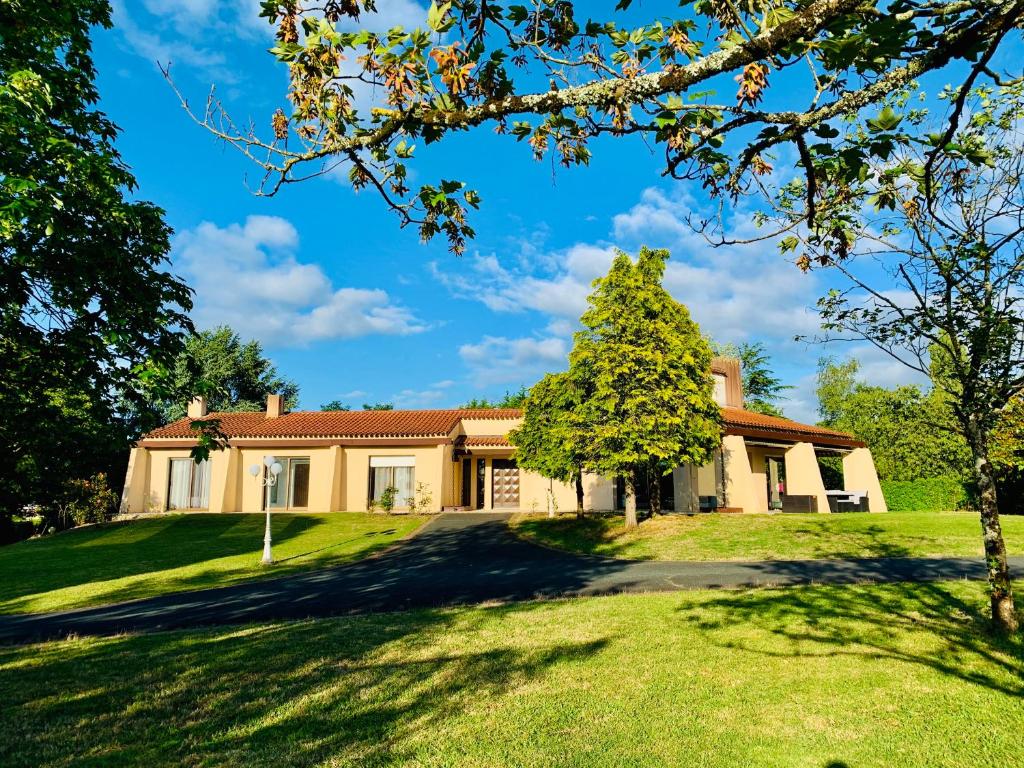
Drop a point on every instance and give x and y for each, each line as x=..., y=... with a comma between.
x=770, y=537
x=123, y=561
x=893, y=675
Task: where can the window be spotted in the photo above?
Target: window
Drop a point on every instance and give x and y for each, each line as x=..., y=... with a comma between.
x=291, y=491
x=189, y=485
x=398, y=472
x=720, y=396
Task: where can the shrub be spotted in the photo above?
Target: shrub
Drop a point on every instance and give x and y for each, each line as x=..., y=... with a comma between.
x=933, y=494
x=387, y=498
x=88, y=501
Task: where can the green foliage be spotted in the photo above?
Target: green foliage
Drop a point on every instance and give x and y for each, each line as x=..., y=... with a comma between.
x=233, y=375
x=87, y=501
x=387, y=498
x=911, y=434
x=926, y=494
x=651, y=400
x=335, y=405
x=762, y=389
x=516, y=399
x=552, y=439
x=378, y=406
x=91, y=313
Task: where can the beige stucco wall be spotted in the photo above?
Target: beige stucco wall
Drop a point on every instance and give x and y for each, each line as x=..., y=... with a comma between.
x=430, y=470
x=250, y=490
x=487, y=426
x=859, y=475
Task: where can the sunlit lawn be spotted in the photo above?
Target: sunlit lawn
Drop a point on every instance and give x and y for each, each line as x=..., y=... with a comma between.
x=894, y=675
x=122, y=561
x=771, y=537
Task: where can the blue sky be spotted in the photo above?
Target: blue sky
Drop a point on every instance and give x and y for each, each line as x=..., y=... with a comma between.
x=352, y=307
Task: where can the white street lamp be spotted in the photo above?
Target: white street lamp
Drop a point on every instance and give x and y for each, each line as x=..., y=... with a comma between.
x=269, y=480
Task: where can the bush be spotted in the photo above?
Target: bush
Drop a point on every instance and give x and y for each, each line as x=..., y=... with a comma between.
x=933, y=494
x=88, y=501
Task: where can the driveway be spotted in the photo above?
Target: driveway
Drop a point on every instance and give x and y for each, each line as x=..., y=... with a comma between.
x=461, y=559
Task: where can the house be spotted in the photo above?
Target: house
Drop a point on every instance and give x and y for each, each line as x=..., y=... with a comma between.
x=461, y=459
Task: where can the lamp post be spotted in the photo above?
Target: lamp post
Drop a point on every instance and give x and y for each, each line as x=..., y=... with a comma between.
x=269, y=480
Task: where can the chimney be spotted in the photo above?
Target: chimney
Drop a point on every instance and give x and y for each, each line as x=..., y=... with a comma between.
x=197, y=407
x=275, y=406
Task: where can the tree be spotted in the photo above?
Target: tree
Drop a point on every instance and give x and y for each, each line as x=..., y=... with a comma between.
x=335, y=405
x=516, y=399
x=91, y=313
x=378, y=406
x=761, y=388
x=934, y=267
x=551, y=440
x=232, y=374
x=651, y=406
x=477, y=65
x=912, y=434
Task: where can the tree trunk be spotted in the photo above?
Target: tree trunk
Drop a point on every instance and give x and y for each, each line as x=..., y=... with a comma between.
x=654, y=489
x=579, y=496
x=630, y=483
x=1004, y=616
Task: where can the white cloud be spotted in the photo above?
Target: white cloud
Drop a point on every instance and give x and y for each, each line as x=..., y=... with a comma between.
x=498, y=360
x=735, y=292
x=247, y=276
x=153, y=43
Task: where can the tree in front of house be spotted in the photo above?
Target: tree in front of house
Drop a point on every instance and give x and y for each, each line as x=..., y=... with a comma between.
x=762, y=389
x=232, y=374
x=552, y=439
x=650, y=405
x=90, y=309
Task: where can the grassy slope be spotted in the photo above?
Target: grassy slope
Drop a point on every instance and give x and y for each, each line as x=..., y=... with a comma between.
x=124, y=561
x=806, y=677
x=771, y=537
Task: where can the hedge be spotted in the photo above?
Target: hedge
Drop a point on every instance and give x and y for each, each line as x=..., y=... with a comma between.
x=934, y=494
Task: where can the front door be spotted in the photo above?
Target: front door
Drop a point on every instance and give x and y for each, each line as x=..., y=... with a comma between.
x=505, y=484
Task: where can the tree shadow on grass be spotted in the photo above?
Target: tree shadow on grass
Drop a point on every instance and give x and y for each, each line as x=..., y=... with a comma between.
x=925, y=624
x=106, y=553
x=363, y=691
x=602, y=533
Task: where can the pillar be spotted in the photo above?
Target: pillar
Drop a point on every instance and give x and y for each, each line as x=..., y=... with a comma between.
x=803, y=475
x=859, y=475
x=738, y=480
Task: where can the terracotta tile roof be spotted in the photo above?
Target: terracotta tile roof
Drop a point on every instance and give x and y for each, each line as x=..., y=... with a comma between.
x=338, y=423
x=440, y=423
x=486, y=441
x=740, y=421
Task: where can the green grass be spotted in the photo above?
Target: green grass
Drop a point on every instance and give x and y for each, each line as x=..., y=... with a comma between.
x=809, y=677
x=770, y=537
x=142, y=558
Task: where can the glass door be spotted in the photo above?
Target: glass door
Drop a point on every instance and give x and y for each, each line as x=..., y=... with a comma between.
x=775, y=472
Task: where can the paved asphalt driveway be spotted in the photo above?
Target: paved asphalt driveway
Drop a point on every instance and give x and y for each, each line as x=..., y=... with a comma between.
x=459, y=559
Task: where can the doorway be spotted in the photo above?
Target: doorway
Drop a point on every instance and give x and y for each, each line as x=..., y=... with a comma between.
x=505, y=484
x=775, y=473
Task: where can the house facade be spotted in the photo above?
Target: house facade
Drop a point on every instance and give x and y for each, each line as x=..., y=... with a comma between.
x=460, y=459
